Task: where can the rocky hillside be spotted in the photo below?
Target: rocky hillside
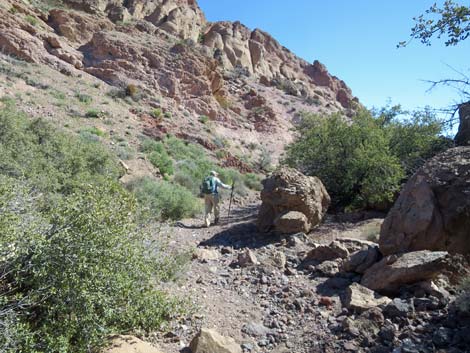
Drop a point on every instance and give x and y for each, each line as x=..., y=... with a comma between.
x=219, y=84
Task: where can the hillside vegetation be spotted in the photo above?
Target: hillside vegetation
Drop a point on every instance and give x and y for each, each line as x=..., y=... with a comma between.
x=75, y=266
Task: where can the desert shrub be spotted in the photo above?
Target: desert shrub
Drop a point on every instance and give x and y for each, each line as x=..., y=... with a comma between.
x=264, y=161
x=33, y=21
x=93, y=113
x=353, y=160
x=253, y=181
x=94, y=131
x=78, y=272
x=223, y=101
x=156, y=113
x=162, y=161
x=203, y=119
x=132, y=90
x=167, y=115
x=83, y=98
x=164, y=200
x=52, y=161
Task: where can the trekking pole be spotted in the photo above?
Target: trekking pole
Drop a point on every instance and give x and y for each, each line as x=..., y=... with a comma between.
x=230, y=203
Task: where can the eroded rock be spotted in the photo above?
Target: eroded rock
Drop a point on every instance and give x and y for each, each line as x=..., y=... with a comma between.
x=394, y=271
x=433, y=210
x=360, y=298
x=210, y=341
x=289, y=190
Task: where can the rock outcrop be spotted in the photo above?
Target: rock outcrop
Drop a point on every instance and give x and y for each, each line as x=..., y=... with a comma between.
x=463, y=135
x=433, y=210
x=288, y=190
x=394, y=271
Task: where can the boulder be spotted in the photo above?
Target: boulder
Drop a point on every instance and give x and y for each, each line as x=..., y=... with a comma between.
x=289, y=190
x=463, y=135
x=361, y=260
x=209, y=341
x=335, y=250
x=433, y=210
x=291, y=222
x=394, y=271
x=129, y=344
x=360, y=298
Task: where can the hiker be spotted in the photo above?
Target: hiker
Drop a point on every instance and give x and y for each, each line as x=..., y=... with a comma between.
x=209, y=189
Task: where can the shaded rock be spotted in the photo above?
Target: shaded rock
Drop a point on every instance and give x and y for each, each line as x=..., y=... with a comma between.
x=205, y=254
x=289, y=190
x=278, y=259
x=360, y=298
x=398, y=308
x=433, y=210
x=209, y=341
x=255, y=330
x=129, y=344
x=463, y=134
x=394, y=271
x=327, y=252
x=247, y=258
x=291, y=222
x=363, y=259
x=327, y=268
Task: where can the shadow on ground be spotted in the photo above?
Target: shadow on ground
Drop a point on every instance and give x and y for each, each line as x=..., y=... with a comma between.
x=240, y=231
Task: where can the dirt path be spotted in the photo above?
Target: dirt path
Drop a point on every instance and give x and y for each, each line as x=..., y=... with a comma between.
x=270, y=306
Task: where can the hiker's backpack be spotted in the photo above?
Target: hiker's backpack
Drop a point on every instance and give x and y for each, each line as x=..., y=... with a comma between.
x=208, y=185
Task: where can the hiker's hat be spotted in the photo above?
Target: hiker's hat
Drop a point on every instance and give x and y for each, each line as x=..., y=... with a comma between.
x=214, y=173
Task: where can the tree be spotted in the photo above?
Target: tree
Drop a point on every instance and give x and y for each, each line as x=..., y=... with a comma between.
x=451, y=21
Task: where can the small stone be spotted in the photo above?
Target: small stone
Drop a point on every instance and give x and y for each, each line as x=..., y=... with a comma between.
x=247, y=258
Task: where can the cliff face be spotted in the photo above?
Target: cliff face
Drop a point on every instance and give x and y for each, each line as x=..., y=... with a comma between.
x=245, y=80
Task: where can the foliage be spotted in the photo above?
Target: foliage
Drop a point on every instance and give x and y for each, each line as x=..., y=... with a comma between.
x=93, y=113
x=415, y=137
x=164, y=200
x=156, y=113
x=33, y=21
x=83, y=98
x=132, y=90
x=78, y=272
x=352, y=160
x=50, y=160
x=203, y=119
x=363, y=162
x=158, y=156
x=451, y=21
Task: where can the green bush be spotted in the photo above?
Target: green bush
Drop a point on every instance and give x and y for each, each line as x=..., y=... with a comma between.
x=83, y=98
x=363, y=162
x=164, y=200
x=50, y=160
x=353, y=160
x=162, y=161
x=73, y=275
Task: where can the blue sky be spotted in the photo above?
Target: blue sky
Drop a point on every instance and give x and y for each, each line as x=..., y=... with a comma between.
x=356, y=40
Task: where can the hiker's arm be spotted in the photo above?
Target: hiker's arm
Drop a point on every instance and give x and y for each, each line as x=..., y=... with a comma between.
x=222, y=185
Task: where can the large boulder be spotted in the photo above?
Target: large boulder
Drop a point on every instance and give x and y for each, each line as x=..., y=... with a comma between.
x=209, y=341
x=361, y=260
x=463, y=135
x=433, y=210
x=289, y=190
x=394, y=271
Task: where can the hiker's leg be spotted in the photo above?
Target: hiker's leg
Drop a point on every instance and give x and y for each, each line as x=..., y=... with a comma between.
x=208, y=210
x=216, y=208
